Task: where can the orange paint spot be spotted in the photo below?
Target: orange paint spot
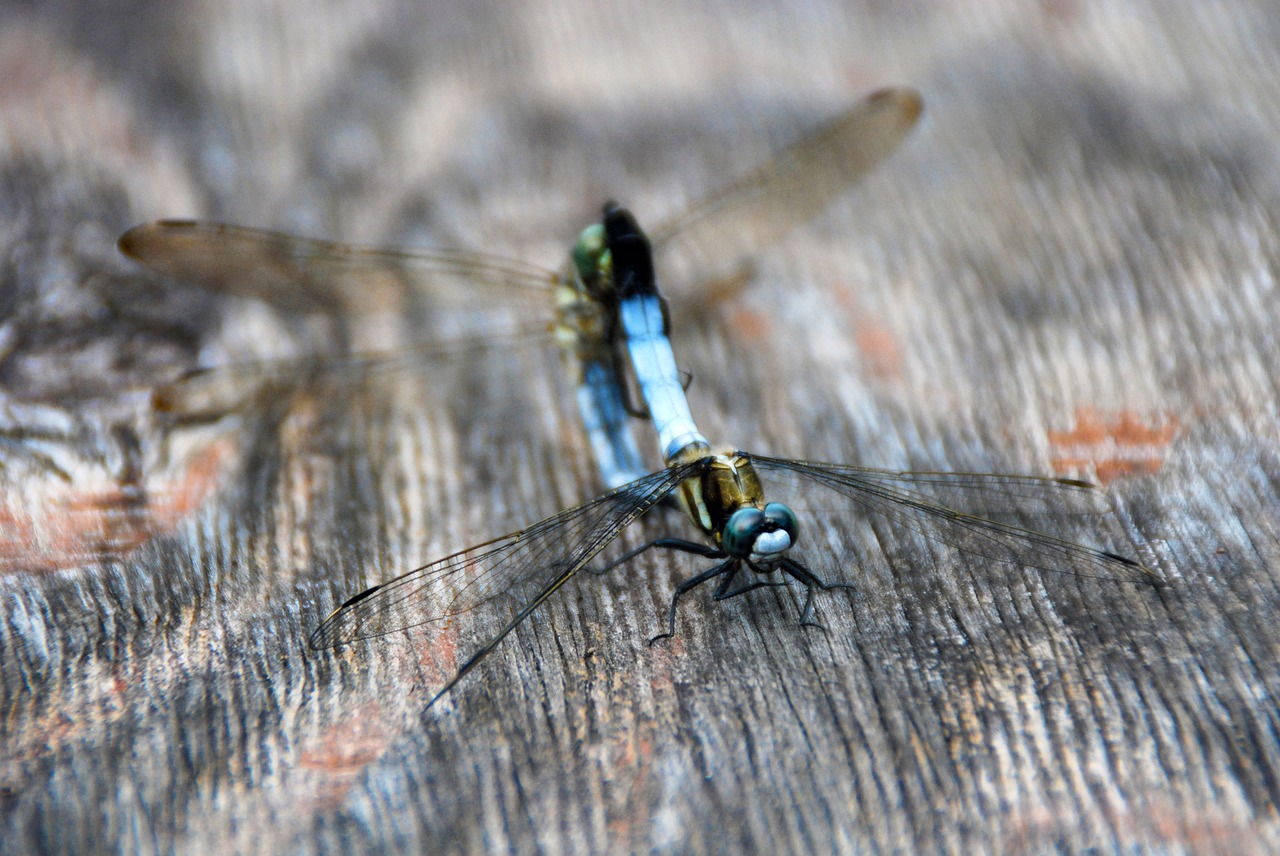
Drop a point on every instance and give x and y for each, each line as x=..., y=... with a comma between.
x=1159, y=823
x=880, y=348
x=350, y=745
x=875, y=340
x=70, y=525
x=1061, y=13
x=749, y=325
x=439, y=657
x=1121, y=446
x=345, y=750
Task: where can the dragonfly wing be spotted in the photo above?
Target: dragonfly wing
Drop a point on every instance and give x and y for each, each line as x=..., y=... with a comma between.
x=914, y=499
x=442, y=291
x=793, y=186
x=308, y=276
x=501, y=576
x=204, y=394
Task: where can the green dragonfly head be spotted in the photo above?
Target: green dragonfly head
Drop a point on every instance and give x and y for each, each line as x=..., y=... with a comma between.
x=590, y=253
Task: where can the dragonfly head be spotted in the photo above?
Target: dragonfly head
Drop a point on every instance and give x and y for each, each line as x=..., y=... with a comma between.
x=760, y=535
x=588, y=254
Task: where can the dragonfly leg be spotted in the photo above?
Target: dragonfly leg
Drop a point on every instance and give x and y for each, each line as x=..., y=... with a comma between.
x=729, y=567
x=723, y=592
x=811, y=584
x=629, y=403
x=634, y=409
x=663, y=543
x=640, y=411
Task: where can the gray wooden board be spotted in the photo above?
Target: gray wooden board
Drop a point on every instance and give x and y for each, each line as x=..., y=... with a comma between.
x=1070, y=268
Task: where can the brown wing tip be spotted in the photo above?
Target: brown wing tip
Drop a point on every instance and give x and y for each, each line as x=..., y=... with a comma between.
x=907, y=101
x=134, y=242
x=163, y=400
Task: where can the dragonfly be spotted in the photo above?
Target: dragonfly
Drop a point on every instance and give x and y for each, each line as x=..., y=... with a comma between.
x=751, y=539
x=577, y=305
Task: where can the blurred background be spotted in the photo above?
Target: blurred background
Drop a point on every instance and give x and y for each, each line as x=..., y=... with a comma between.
x=1068, y=269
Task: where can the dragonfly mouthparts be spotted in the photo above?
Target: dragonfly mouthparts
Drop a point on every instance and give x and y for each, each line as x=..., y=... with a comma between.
x=771, y=543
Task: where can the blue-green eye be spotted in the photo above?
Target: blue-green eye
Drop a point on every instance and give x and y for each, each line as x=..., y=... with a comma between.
x=586, y=252
x=782, y=517
x=739, y=536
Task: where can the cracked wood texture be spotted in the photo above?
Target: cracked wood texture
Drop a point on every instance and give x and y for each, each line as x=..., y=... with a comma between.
x=1070, y=268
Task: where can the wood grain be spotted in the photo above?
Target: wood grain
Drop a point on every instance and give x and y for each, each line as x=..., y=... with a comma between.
x=1071, y=268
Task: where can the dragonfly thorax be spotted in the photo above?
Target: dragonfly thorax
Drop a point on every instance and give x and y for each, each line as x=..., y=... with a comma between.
x=587, y=252
x=585, y=299
x=729, y=505
x=591, y=263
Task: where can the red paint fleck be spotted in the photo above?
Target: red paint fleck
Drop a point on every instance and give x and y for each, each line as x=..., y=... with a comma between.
x=439, y=656
x=876, y=341
x=1121, y=445
x=345, y=750
x=861, y=75
x=880, y=348
x=749, y=325
x=350, y=745
x=1061, y=13
x=1161, y=826
x=71, y=525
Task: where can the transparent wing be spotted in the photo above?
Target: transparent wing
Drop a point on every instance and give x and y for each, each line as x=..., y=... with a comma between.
x=913, y=499
x=204, y=394
x=506, y=575
x=320, y=277
x=442, y=290
x=793, y=186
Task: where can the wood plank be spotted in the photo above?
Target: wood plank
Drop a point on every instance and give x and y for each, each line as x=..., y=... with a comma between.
x=1068, y=270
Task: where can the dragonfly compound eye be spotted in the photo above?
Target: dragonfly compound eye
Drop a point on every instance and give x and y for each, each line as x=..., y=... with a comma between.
x=777, y=533
x=741, y=531
x=751, y=532
x=587, y=252
x=783, y=519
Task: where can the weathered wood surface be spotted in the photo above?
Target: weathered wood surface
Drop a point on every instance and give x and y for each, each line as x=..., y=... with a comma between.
x=1070, y=268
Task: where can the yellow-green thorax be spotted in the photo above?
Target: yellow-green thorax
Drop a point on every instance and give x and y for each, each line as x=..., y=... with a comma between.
x=586, y=301
x=727, y=484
